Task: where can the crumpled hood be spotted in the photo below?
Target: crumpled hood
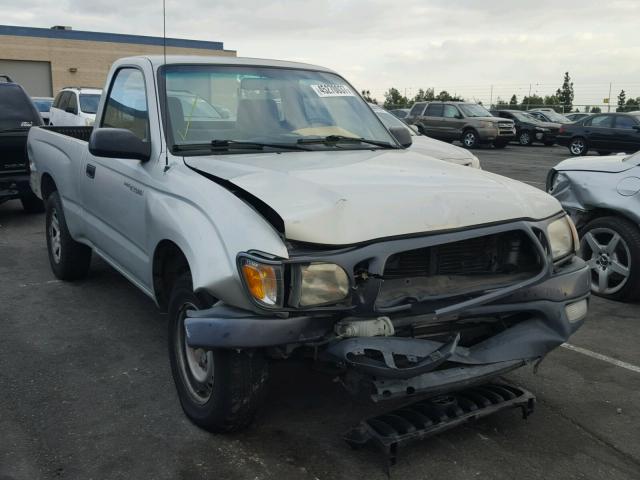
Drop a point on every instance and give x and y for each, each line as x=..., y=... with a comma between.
x=440, y=150
x=341, y=198
x=610, y=164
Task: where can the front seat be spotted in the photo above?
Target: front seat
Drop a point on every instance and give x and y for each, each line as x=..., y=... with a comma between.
x=258, y=117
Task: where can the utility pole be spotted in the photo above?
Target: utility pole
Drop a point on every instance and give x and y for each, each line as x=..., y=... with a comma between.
x=609, y=104
x=529, y=97
x=491, y=98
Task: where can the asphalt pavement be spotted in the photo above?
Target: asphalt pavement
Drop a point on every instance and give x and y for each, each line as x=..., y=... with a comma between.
x=86, y=390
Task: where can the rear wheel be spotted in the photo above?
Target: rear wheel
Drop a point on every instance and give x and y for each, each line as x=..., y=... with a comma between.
x=470, y=139
x=219, y=390
x=31, y=203
x=578, y=147
x=525, y=138
x=611, y=247
x=69, y=259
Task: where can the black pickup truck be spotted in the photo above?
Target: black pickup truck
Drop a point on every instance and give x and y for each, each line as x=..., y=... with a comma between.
x=17, y=116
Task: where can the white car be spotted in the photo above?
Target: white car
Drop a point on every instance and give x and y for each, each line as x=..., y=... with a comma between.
x=43, y=104
x=75, y=106
x=427, y=145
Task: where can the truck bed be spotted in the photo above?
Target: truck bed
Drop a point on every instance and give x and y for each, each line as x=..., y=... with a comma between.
x=80, y=133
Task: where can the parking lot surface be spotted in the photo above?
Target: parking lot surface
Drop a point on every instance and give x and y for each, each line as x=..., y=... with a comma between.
x=86, y=390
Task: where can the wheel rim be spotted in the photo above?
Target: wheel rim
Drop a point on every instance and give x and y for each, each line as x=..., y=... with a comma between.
x=196, y=364
x=525, y=138
x=577, y=147
x=54, y=236
x=469, y=139
x=609, y=258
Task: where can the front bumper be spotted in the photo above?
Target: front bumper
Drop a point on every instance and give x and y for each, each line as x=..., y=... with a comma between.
x=545, y=327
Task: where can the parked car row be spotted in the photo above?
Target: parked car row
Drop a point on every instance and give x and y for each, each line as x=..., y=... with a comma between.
x=530, y=129
x=605, y=133
x=75, y=106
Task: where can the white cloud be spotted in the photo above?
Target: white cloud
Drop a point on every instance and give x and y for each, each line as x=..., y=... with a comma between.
x=464, y=46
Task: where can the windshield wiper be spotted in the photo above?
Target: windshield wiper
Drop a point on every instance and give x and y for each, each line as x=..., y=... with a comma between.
x=226, y=145
x=334, y=139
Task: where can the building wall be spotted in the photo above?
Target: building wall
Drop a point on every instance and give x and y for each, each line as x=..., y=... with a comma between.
x=91, y=59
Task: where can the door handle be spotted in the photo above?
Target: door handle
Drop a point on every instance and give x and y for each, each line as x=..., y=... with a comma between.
x=91, y=170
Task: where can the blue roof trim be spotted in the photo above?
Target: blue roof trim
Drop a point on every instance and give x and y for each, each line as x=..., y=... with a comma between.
x=106, y=37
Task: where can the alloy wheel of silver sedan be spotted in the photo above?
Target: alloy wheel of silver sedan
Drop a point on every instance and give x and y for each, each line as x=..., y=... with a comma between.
x=609, y=258
x=470, y=139
x=55, y=237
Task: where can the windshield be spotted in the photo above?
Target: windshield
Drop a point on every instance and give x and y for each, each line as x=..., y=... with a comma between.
x=556, y=117
x=390, y=120
x=207, y=103
x=473, y=110
x=89, y=102
x=525, y=117
x=43, y=104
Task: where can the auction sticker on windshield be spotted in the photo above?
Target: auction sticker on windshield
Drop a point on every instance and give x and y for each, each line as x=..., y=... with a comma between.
x=332, y=90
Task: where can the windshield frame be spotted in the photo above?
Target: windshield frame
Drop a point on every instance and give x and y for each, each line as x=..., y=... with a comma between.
x=163, y=94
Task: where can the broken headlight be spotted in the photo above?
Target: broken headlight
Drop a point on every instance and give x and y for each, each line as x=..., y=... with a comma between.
x=563, y=237
x=320, y=284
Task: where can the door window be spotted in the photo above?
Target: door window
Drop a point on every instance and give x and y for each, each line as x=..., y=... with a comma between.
x=600, y=121
x=434, y=110
x=64, y=100
x=450, y=111
x=625, y=122
x=126, y=106
x=416, y=109
x=73, y=103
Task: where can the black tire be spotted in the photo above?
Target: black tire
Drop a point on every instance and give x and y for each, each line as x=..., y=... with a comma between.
x=469, y=138
x=31, y=203
x=524, y=138
x=231, y=384
x=70, y=260
x=578, y=146
x=499, y=145
x=603, y=153
x=596, y=236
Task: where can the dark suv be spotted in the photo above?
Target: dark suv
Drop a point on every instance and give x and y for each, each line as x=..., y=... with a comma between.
x=470, y=123
x=17, y=115
x=529, y=129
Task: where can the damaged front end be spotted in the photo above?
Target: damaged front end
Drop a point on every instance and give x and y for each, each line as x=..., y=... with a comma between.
x=412, y=315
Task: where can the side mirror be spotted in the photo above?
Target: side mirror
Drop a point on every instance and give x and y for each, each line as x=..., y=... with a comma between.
x=118, y=143
x=459, y=116
x=71, y=110
x=402, y=135
x=415, y=129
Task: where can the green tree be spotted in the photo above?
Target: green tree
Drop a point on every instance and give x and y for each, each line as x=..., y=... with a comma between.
x=424, y=95
x=596, y=110
x=514, y=101
x=565, y=93
x=554, y=102
x=622, y=100
x=366, y=94
x=632, y=104
x=445, y=96
x=394, y=99
x=532, y=101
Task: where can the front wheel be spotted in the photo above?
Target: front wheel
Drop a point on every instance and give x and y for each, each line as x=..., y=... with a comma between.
x=220, y=390
x=525, y=138
x=611, y=247
x=470, y=139
x=578, y=147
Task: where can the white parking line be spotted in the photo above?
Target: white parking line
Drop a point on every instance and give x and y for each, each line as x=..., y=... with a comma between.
x=604, y=358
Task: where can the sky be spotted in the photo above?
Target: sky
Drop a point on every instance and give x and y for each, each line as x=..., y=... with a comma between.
x=480, y=50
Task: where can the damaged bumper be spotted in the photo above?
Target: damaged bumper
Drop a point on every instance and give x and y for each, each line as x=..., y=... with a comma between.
x=524, y=326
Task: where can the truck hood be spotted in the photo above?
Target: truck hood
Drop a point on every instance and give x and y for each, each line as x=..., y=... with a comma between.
x=440, y=150
x=342, y=198
x=610, y=164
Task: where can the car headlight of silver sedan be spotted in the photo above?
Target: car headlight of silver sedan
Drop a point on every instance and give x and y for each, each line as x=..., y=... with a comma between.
x=563, y=237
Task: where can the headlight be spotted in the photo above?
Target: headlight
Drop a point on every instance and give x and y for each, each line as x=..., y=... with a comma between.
x=321, y=283
x=263, y=281
x=486, y=124
x=563, y=237
x=540, y=129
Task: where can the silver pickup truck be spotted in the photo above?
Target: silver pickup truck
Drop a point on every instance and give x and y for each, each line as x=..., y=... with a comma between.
x=266, y=208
